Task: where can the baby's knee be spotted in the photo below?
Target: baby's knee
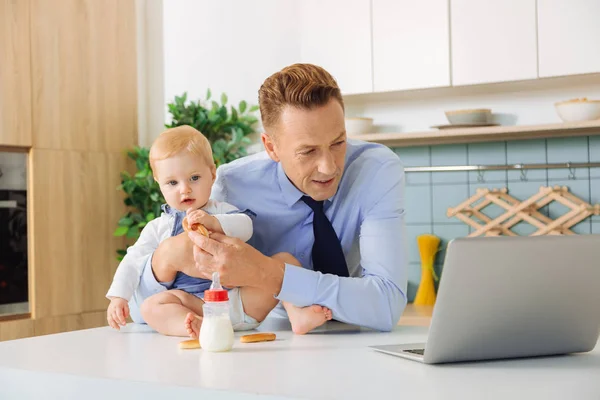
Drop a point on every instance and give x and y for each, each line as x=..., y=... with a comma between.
x=148, y=307
x=286, y=258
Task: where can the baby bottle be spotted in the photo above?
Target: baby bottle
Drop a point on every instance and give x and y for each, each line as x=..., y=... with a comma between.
x=216, y=331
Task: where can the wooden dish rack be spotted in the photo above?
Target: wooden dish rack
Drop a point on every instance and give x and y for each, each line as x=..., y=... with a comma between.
x=470, y=212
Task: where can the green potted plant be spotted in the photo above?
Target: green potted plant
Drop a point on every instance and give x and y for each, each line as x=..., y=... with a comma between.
x=227, y=129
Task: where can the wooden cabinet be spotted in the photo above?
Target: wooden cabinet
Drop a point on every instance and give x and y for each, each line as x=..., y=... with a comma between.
x=336, y=34
x=493, y=41
x=15, y=78
x=74, y=209
x=68, y=90
x=568, y=37
x=22, y=328
x=16, y=329
x=229, y=46
x=411, y=46
x=83, y=62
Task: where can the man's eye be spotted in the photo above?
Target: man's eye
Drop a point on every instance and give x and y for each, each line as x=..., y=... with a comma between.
x=195, y=177
x=307, y=153
x=339, y=143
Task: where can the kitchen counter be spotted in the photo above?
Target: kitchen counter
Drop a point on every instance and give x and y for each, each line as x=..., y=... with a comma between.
x=334, y=363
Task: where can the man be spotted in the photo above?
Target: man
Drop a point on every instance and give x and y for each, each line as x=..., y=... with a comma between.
x=335, y=204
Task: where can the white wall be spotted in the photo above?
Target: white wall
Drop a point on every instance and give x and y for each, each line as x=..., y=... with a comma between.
x=255, y=37
x=151, y=77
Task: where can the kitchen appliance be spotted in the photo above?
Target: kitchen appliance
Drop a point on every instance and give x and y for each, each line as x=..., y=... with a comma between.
x=13, y=252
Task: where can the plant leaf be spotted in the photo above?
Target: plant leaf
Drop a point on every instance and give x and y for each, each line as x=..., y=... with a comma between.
x=208, y=94
x=254, y=108
x=133, y=232
x=125, y=221
x=121, y=230
x=242, y=106
x=223, y=99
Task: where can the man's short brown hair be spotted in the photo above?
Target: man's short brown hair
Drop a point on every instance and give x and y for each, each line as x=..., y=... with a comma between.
x=303, y=86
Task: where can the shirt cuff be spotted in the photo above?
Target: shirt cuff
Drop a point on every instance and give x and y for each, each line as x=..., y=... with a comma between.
x=299, y=286
x=237, y=225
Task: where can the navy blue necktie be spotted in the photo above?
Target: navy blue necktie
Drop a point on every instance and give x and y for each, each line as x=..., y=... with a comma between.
x=327, y=254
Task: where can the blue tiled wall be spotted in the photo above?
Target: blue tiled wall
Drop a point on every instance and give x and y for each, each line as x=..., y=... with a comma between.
x=429, y=195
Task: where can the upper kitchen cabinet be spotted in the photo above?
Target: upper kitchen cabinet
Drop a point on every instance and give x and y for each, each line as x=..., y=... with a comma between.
x=493, y=41
x=410, y=44
x=84, y=74
x=336, y=34
x=568, y=37
x=15, y=74
x=229, y=46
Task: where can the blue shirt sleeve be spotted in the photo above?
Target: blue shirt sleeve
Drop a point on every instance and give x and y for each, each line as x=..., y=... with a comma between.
x=375, y=300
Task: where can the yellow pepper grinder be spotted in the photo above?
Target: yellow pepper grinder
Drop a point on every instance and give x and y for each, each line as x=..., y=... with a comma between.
x=428, y=247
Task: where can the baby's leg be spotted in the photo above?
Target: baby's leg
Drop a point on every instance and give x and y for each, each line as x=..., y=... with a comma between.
x=174, y=313
x=258, y=304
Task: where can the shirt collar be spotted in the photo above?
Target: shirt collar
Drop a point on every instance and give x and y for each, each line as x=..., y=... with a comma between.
x=290, y=193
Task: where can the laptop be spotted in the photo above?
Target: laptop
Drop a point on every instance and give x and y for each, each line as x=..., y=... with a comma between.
x=511, y=297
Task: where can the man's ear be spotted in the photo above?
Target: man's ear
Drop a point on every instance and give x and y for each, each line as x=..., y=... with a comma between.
x=270, y=147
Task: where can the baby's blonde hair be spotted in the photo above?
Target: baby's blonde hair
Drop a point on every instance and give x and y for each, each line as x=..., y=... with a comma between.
x=175, y=140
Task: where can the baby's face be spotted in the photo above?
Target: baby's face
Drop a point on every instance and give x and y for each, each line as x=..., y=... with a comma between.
x=185, y=180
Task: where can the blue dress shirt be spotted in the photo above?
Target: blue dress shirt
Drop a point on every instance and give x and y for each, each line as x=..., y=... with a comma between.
x=367, y=213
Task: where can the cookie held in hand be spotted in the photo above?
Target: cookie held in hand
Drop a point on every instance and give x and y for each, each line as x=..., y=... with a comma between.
x=201, y=229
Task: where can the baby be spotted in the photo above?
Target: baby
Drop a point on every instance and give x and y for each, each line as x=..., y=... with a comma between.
x=182, y=163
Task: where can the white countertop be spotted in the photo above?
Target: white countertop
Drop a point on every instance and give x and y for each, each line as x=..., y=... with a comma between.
x=101, y=363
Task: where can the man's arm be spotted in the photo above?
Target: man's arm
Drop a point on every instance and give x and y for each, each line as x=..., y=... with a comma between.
x=377, y=299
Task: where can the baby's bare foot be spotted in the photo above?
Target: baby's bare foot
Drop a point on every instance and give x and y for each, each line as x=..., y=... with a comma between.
x=308, y=318
x=192, y=325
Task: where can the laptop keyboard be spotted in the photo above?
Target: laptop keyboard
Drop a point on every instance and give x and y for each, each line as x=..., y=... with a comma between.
x=416, y=351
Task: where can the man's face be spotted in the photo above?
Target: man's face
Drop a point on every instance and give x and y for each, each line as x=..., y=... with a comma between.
x=311, y=146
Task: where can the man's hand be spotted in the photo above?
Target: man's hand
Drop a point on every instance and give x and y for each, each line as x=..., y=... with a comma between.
x=237, y=263
x=202, y=217
x=117, y=312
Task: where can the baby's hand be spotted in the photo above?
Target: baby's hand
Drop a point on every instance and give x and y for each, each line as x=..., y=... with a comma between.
x=117, y=311
x=202, y=217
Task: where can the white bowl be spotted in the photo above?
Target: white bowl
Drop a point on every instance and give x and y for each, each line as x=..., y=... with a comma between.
x=479, y=116
x=578, y=110
x=358, y=125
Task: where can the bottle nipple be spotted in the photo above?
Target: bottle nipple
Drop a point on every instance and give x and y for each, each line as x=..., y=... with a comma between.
x=216, y=282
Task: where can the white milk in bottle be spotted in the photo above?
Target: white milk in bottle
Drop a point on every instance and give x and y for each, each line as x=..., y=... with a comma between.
x=216, y=331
